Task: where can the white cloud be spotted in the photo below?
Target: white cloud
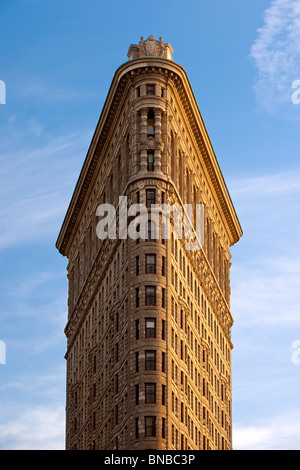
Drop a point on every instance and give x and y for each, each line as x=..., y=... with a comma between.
x=36, y=185
x=266, y=263
x=33, y=428
x=272, y=184
x=33, y=411
x=265, y=304
x=33, y=283
x=266, y=292
x=276, y=54
x=277, y=433
x=51, y=93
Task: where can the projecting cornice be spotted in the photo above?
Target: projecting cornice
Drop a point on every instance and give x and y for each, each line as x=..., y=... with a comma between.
x=123, y=76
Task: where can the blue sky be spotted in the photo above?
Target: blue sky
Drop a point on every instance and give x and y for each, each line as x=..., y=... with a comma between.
x=57, y=61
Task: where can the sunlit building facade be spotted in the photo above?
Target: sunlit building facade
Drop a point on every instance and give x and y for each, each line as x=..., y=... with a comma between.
x=149, y=321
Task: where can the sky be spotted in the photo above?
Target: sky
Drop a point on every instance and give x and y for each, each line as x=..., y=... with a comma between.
x=58, y=59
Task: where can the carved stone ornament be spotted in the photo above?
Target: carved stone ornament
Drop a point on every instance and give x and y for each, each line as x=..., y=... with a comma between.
x=150, y=48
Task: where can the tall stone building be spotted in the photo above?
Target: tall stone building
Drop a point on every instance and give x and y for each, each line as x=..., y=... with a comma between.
x=149, y=322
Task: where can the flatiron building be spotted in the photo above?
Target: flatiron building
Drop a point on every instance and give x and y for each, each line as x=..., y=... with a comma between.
x=149, y=321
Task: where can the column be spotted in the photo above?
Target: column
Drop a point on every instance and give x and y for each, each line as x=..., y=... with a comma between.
x=158, y=142
x=143, y=140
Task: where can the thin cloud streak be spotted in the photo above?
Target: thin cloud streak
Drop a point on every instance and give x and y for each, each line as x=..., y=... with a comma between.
x=276, y=54
x=34, y=428
x=271, y=289
x=26, y=425
x=279, y=433
x=269, y=184
x=36, y=185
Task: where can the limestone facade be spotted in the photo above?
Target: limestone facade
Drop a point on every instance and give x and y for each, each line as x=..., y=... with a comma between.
x=149, y=322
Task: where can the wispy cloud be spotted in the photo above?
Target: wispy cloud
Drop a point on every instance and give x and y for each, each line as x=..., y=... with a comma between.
x=33, y=428
x=279, y=433
x=265, y=304
x=276, y=54
x=36, y=183
x=269, y=184
x=29, y=285
x=267, y=293
x=45, y=92
x=33, y=411
x=268, y=275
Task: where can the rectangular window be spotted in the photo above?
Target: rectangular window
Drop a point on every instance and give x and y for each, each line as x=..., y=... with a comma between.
x=150, y=360
x=151, y=264
x=151, y=230
x=163, y=266
x=150, y=328
x=163, y=330
x=150, y=426
x=137, y=362
x=163, y=428
x=137, y=265
x=117, y=414
x=182, y=412
x=137, y=297
x=163, y=297
x=150, y=197
x=150, y=161
x=150, y=295
x=151, y=89
x=117, y=352
x=163, y=395
x=136, y=428
x=137, y=329
x=150, y=393
x=163, y=362
x=137, y=394
x=150, y=123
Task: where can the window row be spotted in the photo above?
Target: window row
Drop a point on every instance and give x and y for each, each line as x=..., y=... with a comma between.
x=151, y=89
x=150, y=427
x=150, y=389
x=150, y=328
x=150, y=296
x=151, y=264
x=151, y=361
